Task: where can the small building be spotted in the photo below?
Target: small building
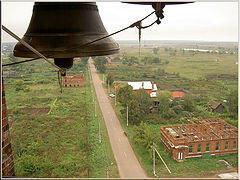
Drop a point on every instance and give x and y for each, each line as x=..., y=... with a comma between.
x=214, y=106
x=149, y=86
x=177, y=94
x=74, y=80
x=212, y=136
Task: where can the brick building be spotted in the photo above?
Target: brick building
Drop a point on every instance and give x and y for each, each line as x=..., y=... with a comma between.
x=74, y=80
x=7, y=157
x=213, y=136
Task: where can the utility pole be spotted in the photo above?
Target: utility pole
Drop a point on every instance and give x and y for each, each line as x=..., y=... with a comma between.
x=127, y=115
x=99, y=131
x=154, y=147
x=154, y=171
x=95, y=108
x=115, y=98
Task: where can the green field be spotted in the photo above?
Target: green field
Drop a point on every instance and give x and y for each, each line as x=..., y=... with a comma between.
x=55, y=135
x=204, y=76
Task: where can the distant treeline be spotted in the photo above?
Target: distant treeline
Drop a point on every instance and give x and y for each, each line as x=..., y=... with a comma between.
x=175, y=42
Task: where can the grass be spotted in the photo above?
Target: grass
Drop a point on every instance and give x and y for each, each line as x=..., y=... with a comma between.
x=201, y=75
x=62, y=143
x=55, y=144
x=206, y=166
x=101, y=156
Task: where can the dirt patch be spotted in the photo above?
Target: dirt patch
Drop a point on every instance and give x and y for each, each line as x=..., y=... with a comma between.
x=32, y=111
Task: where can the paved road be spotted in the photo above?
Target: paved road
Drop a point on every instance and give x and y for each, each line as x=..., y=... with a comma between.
x=128, y=165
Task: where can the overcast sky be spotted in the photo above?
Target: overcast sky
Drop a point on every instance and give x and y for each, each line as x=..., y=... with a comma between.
x=207, y=21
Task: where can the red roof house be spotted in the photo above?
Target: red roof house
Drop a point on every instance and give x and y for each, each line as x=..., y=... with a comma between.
x=177, y=94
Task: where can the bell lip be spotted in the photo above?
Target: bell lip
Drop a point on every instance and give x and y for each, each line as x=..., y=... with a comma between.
x=69, y=54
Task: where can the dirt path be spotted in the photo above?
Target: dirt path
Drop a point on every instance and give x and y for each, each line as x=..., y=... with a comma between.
x=128, y=165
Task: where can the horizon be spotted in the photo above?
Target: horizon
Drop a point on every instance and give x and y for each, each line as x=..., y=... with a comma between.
x=155, y=40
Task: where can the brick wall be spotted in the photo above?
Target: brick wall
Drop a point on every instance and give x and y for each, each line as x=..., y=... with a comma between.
x=178, y=142
x=74, y=80
x=7, y=157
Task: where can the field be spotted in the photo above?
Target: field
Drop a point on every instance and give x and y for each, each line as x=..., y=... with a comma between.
x=55, y=135
x=204, y=75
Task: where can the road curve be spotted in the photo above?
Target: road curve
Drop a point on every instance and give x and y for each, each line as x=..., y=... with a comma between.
x=128, y=165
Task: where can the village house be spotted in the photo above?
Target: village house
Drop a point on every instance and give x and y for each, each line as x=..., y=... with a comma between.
x=73, y=80
x=213, y=136
x=214, y=106
x=177, y=94
x=149, y=86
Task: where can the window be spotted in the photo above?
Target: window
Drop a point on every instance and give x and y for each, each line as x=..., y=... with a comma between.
x=234, y=144
x=190, y=148
x=217, y=146
x=226, y=145
x=199, y=148
x=207, y=147
x=180, y=155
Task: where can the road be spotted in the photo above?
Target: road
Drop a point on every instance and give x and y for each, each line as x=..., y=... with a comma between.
x=127, y=162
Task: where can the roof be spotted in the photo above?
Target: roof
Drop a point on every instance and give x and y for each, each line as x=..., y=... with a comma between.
x=177, y=94
x=143, y=84
x=213, y=104
x=116, y=87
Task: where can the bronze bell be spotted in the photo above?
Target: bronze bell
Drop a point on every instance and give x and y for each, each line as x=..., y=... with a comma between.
x=59, y=30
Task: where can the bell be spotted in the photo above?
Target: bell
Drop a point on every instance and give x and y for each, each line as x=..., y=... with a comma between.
x=60, y=30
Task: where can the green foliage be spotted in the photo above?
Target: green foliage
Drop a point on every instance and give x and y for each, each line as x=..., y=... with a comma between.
x=189, y=103
x=99, y=63
x=135, y=116
x=129, y=60
x=20, y=86
x=155, y=50
x=232, y=103
x=144, y=101
x=125, y=94
x=160, y=72
x=144, y=136
x=84, y=60
x=116, y=59
x=164, y=104
x=150, y=60
x=109, y=79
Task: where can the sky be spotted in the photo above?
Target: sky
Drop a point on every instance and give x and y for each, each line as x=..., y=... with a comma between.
x=201, y=21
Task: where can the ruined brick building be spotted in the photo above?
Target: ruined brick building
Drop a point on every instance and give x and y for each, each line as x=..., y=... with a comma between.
x=213, y=136
x=74, y=80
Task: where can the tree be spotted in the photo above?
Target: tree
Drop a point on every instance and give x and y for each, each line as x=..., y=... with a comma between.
x=156, y=60
x=188, y=103
x=145, y=60
x=164, y=103
x=125, y=94
x=232, y=103
x=160, y=72
x=99, y=63
x=134, y=113
x=84, y=60
x=128, y=100
x=144, y=136
x=109, y=79
x=116, y=59
x=129, y=60
x=144, y=100
x=155, y=50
